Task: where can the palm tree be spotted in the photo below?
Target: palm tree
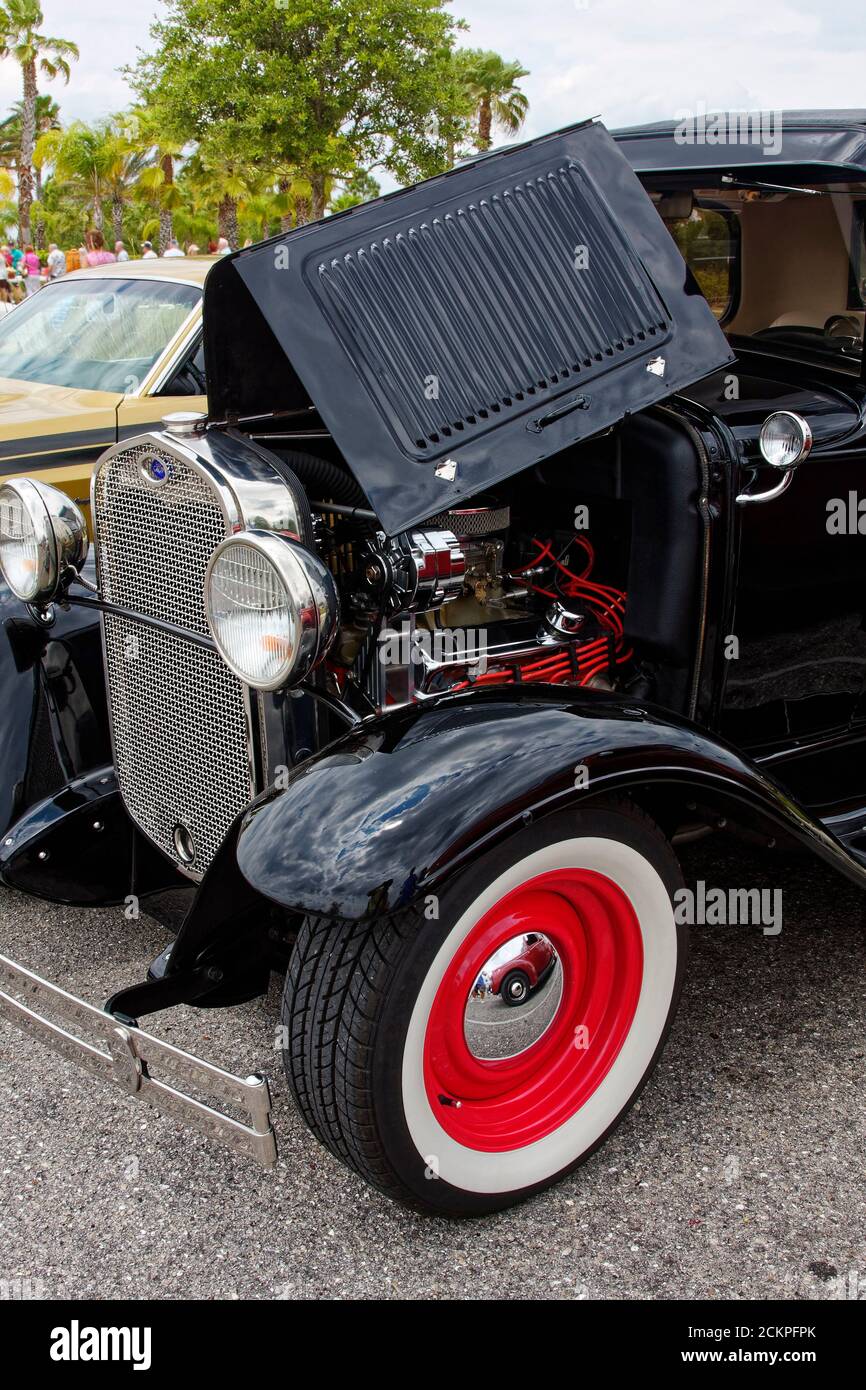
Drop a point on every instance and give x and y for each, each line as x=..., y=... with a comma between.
x=360, y=188
x=47, y=118
x=259, y=211
x=125, y=173
x=84, y=157
x=491, y=85
x=222, y=182
x=294, y=199
x=34, y=52
x=147, y=135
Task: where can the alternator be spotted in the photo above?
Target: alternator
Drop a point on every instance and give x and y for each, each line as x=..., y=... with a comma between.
x=415, y=572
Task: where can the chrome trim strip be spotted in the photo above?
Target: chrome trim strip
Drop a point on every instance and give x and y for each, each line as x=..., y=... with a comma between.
x=121, y=1052
x=113, y=270
x=183, y=634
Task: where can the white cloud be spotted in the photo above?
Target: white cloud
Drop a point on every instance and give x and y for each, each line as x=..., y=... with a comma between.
x=625, y=60
x=631, y=61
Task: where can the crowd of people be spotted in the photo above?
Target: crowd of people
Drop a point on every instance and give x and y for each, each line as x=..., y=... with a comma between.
x=23, y=271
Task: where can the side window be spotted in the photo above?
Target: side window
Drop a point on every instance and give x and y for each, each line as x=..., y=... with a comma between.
x=709, y=244
x=188, y=379
x=857, y=259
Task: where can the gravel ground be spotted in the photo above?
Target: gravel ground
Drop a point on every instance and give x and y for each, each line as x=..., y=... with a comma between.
x=739, y=1175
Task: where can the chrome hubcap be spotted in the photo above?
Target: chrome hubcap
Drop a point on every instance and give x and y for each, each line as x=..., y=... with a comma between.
x=514, y=998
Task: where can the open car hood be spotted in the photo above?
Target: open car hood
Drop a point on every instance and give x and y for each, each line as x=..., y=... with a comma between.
x=457, y=332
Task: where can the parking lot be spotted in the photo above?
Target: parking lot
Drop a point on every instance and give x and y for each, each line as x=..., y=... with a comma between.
x=740, y=1173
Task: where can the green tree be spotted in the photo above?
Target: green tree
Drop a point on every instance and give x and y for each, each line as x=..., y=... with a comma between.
x=35, y=53
x=315, y=87
x=47, y=118
x=490, y=83
x=124, y=182
x=84, y=158
x=360, y=188
x=294, y=199
x=221, y=180
x=146, y=132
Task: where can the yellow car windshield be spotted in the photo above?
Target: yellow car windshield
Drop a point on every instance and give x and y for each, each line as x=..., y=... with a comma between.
x=99, y=335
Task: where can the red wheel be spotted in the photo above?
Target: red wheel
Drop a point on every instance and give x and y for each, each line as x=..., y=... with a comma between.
x=409, y=1064
x=508, y=1102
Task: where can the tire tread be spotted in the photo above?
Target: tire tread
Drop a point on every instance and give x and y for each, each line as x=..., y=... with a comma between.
x=338, y=977
x=337, y=985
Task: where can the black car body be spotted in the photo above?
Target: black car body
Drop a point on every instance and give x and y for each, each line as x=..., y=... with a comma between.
x=488, y=497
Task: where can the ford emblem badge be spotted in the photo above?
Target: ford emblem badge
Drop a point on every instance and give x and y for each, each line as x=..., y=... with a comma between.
x=156, y=469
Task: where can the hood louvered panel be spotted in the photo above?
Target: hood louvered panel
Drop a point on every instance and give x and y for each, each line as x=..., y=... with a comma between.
x=454, y=334
x=496, y=305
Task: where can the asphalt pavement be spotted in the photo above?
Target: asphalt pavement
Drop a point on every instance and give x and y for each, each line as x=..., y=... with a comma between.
x=739, y=1175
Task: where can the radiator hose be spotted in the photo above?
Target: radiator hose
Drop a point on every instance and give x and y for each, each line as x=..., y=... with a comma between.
x=322, y=478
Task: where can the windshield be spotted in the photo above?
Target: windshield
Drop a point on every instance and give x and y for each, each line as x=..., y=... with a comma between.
x=100, y=334
x=776, y=261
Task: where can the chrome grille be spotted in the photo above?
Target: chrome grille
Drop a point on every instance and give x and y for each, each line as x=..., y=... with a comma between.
x=180, y=719
x=155, y=539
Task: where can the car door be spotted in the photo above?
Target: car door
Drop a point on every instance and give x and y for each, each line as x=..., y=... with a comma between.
x=54, y=432
x=177, y=383
x=799, y=665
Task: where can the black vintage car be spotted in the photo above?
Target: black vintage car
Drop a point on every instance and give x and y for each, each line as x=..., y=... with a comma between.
x=521, y=540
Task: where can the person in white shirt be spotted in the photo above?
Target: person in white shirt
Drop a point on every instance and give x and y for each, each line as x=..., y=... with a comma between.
x=7, y=303
x=147, y=252
x=120, y=251
x=223, y=248
x=172, y=250
x=56, y=262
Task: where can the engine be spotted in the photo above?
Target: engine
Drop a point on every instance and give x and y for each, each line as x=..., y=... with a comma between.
x=467, y=600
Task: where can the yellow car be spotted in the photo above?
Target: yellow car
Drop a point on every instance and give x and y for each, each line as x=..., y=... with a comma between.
x=93, y=357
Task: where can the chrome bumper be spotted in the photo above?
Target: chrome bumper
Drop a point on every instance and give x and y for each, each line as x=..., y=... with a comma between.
x=130, y=1057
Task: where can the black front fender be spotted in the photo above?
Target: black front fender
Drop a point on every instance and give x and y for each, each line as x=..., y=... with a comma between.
x=54, y=722
x=398, y=805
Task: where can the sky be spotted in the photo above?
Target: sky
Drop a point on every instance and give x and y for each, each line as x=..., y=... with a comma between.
x=623, y=60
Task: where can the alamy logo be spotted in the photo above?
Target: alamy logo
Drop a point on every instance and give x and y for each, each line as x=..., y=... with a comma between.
x=846, y=516
x=21, y=1288
x=700, y=127
x=77, y=1343
x=731, y=907
x=408, y=646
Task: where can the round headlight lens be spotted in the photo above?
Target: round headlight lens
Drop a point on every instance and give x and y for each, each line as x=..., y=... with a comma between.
x=23, y=553
x=43, y=535
x=272, y=608
x=785, y=439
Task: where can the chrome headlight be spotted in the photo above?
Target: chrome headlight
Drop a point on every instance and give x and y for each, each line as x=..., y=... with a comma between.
x=785, y=439
x=272, y=607
x=42, y=535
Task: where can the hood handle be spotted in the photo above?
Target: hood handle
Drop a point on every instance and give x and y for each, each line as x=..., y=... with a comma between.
x=542, y=421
